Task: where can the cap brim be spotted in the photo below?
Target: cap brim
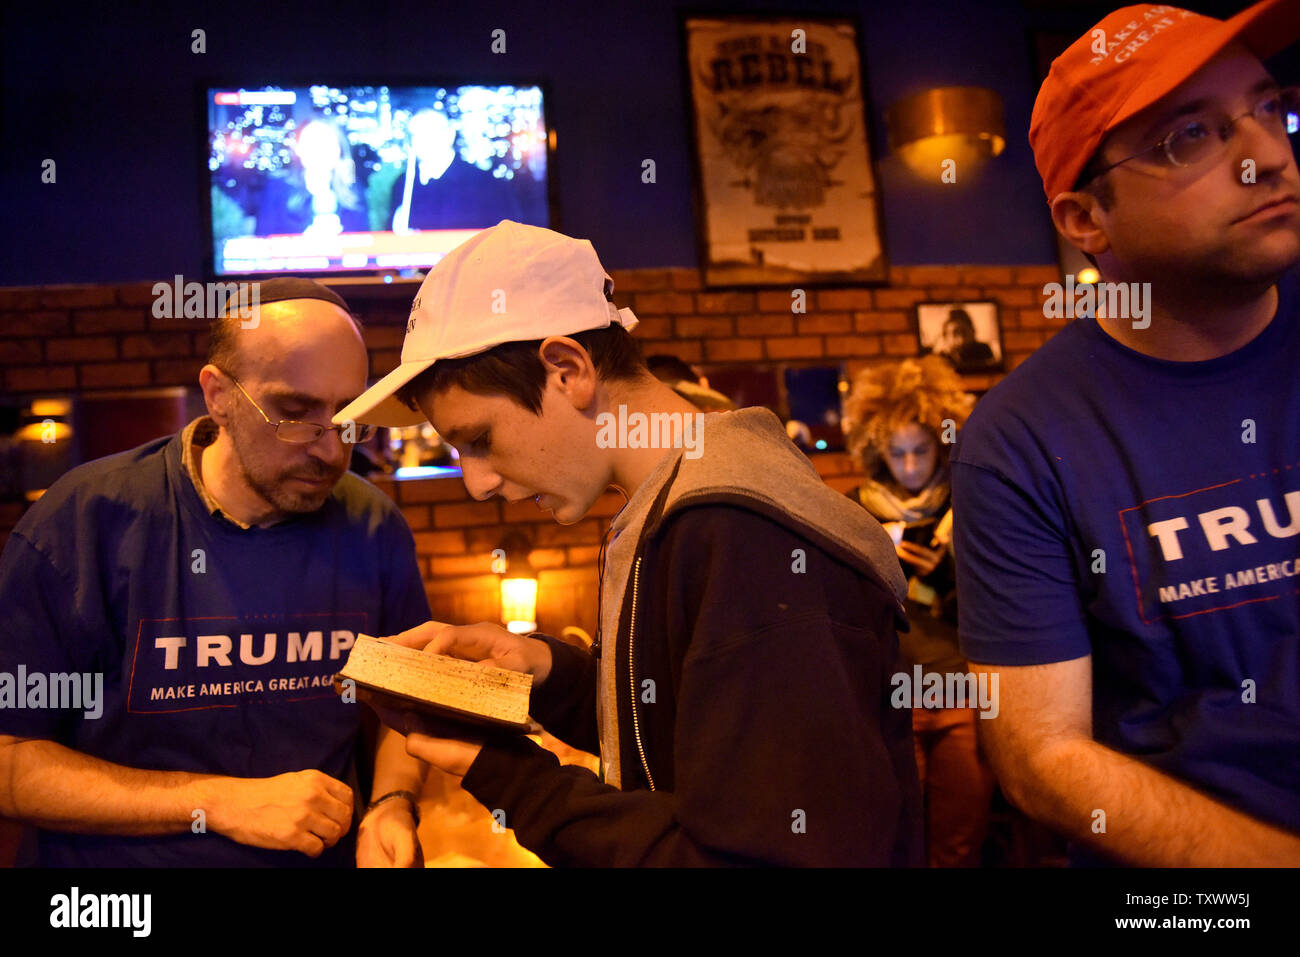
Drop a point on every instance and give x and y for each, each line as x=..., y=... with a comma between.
x=1265, y=29
x=378, y=405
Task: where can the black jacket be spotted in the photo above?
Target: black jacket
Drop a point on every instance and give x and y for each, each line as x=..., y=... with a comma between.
x=767, y=732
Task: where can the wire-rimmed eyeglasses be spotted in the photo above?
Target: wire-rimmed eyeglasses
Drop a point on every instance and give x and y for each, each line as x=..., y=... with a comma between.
x=297, y=432
x=1205, y=136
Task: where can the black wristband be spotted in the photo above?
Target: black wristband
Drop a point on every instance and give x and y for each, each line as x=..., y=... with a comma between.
x=410, y=796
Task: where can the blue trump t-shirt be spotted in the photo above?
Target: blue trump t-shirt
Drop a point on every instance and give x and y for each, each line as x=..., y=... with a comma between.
x=216, y=644
x=1147, y=513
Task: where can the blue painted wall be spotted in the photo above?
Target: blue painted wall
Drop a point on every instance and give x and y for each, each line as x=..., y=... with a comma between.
x=110, y=95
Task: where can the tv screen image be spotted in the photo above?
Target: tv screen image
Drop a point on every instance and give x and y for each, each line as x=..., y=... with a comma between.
x=338, y=179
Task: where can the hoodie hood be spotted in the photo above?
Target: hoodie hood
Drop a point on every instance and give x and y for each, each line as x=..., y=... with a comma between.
x=751, y=462
x=745, y=459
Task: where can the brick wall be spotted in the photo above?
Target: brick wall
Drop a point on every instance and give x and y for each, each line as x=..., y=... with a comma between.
x=455, y=536
x=75, y=339
x=853, y=325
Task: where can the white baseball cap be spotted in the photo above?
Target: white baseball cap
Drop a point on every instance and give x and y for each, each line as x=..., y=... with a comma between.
x=508, y=283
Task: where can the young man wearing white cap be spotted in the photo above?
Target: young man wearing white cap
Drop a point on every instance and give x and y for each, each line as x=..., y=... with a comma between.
x=739, y=694
x=1128, y=499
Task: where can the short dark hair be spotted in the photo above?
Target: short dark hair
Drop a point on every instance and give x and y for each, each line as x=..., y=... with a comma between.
x=671, y=369
x=1092, y=181
x=1101, y=189
x=222, y=351
x=514, y=369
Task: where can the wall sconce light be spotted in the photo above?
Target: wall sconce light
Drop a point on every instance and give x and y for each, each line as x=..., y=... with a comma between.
x=45, y=421
x=959, y=123
x=45, y=447
x=518, y=583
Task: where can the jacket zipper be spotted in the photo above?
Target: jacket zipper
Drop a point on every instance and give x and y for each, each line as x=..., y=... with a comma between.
x=631, y=673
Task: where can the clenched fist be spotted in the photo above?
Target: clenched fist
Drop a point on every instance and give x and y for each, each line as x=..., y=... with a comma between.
x=305, y=811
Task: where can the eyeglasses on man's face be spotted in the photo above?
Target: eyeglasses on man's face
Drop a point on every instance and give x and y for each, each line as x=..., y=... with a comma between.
x=297, y=432
x=1204, y=137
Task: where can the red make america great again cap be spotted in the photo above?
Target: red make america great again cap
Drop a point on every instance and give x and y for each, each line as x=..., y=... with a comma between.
x=1128, y=61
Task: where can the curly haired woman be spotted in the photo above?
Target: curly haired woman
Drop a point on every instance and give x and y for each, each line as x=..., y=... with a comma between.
x=901, y=420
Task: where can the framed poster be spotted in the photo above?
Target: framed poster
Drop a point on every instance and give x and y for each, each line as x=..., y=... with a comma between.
x=785, y=189
x=967, y=334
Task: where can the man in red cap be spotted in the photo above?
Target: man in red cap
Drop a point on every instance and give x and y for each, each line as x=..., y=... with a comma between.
x=1127, y=501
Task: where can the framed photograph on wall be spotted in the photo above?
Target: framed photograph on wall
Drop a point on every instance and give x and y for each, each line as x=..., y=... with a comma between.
x=786, y=191
x=967, y=334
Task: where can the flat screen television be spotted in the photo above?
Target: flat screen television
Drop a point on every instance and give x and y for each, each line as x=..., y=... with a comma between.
x=367, y=179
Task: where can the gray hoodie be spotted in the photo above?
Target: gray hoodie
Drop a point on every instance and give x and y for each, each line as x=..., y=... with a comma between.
x=746, y=458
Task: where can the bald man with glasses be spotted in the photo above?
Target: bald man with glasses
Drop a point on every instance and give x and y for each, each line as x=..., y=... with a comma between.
x=211, y=583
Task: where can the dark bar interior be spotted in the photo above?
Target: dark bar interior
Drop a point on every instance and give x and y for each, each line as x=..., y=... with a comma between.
x=871, y=429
